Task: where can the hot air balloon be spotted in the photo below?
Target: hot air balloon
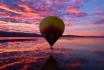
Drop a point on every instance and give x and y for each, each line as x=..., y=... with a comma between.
x=51, y=29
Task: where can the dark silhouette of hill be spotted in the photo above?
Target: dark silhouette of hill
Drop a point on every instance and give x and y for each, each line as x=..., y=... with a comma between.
x=74, y=36
x=17, y=34
x=20, y=34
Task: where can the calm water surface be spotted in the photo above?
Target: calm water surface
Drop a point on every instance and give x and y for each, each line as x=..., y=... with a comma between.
x=68, y=54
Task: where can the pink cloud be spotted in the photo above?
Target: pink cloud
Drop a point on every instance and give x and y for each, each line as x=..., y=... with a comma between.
x=25, y=0
x=99, y=11
x=78, y=1
x=74, y=11
x=57, y=0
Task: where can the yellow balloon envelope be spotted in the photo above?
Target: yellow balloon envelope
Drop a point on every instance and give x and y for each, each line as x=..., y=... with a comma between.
x=52, y=28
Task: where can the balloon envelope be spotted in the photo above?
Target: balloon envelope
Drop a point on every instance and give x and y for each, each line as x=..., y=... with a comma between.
x=52, y=28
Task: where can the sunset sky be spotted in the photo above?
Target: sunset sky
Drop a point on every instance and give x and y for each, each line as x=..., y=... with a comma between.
x=81, y=17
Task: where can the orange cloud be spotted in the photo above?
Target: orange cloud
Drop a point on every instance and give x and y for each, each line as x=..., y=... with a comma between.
x=26, y=7
x=19, y=27
x=3, y=13
x=5, y=7
x=8, y=9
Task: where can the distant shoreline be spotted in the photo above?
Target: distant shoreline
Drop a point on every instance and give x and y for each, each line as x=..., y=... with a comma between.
x=75, y=36
x=20, y=34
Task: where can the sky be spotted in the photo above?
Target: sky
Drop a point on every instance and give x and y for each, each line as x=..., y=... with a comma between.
x=81, y=17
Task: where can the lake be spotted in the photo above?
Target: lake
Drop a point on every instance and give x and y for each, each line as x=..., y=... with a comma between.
x=67, y=54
